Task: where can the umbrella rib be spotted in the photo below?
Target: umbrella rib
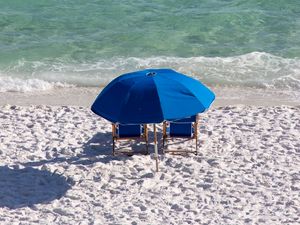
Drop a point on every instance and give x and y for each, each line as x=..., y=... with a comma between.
x=188, y=91
x=126, y=98
x=156, y=89
x=179, y=83
x=128, y=95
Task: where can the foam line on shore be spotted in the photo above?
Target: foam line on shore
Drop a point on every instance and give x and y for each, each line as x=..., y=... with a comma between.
x=256, y=70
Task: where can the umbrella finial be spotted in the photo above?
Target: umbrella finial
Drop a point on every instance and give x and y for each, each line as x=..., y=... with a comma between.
x=151, y=74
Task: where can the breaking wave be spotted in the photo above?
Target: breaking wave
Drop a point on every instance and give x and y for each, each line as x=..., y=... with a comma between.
x=255, y=70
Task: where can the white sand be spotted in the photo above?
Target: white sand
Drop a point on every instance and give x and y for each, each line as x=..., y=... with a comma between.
x=56, y=168
x=80, y=96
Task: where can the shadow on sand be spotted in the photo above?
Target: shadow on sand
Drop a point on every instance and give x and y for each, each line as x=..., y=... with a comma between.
x=97, y=149
x=26, y=187
x=29, y=186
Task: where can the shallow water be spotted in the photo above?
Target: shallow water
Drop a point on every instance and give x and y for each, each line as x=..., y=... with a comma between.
x=45, y=44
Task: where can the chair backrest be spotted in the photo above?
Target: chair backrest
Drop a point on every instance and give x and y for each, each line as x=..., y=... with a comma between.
x=183, y=127
x=186, y=120
x=129, y=130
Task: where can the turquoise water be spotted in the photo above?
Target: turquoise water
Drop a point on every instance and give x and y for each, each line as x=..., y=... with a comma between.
x=87, y=43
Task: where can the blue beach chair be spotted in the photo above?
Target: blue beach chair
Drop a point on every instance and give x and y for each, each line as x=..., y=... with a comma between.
x=184, y=128
x=129, y=132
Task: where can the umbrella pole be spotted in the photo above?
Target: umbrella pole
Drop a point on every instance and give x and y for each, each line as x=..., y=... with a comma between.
x=155, y=147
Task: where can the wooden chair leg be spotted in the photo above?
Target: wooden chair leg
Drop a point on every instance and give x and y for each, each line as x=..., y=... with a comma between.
x=164, y=144
x=147, y=147
x=113, y=152
x=164, y=136
x=113, y=137
x=196, y=146
x=146, y=138
x=196, y=133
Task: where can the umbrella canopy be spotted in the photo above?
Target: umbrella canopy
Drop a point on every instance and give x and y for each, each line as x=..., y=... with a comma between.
x=152, y=96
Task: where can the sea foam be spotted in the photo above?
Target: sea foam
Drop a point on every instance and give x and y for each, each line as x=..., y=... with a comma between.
x=255, y=70
x=10, y=84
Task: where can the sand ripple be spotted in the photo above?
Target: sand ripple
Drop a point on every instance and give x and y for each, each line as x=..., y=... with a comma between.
x=56, y=168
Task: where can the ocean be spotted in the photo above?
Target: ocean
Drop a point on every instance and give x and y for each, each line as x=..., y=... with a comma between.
x=224, y=43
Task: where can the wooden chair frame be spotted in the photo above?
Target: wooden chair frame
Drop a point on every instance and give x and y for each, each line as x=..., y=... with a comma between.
x=115, y=138
x=194, y=136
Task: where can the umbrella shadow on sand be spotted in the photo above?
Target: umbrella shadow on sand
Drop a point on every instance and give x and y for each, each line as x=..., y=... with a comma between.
x=96, y=149
x=99, y=149
x=27, y=187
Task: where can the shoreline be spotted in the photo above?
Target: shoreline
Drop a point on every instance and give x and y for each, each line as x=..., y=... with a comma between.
x=84, y=96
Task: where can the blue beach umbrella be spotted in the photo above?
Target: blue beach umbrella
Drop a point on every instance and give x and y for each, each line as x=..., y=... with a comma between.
x=152, y=96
